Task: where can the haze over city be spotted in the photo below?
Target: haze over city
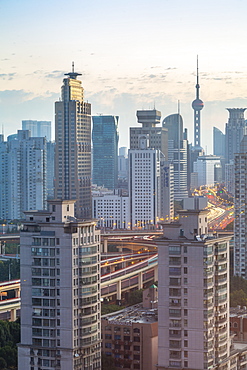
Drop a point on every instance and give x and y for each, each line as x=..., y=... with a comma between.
x=132, y=55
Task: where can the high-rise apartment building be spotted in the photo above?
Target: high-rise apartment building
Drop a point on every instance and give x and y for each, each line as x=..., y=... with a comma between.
x=105, y=151
x=158, y=136
x=193, y=306
x=177, y=154
x=23, y=175
x=240, y=206
x=236, y=128
x=60, y=291
x=73, y=146
x=144, y=185
x=38, y=128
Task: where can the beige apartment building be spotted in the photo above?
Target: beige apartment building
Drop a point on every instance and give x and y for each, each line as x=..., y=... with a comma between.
x=60, y=291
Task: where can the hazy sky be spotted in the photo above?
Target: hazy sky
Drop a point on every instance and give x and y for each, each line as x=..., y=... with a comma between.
x=133, y=54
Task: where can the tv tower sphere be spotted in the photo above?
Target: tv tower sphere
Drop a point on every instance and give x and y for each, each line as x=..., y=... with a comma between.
x=197, y=104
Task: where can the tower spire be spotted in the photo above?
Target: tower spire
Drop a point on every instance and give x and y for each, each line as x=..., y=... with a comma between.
x=73, y=74
x=197, y=105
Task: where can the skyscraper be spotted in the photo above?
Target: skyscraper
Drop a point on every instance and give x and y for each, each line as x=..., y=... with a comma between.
x=38, y=128
x=60, y=291
x=144, y=185
x=197, y=105
x=158, y=137
x=177, y=154
x=23, y=175
x=73, y=146
x=193, y=306
x=219, y=142
x=105, y=151
x=235, y=130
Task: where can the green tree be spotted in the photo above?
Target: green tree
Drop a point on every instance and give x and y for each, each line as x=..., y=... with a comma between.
x=135, y=297
x=3, y=364
x=107, y=362
x=238, y=297
x=109, y=308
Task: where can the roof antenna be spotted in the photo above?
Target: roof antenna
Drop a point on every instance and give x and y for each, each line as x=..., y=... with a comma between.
x=73, y=67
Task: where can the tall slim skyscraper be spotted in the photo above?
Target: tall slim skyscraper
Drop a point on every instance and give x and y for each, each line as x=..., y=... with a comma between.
x=236, y=128
x=38, y=128
x=60, y=291
x=177, y=154
x=105, y=151
x=73, y=146
x=197, y=105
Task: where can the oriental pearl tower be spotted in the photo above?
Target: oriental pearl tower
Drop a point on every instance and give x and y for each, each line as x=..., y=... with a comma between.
x=197, y=105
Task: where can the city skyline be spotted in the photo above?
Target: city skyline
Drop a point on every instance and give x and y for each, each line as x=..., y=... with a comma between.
x=136, y=61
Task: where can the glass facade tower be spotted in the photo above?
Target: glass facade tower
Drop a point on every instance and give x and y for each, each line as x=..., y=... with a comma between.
x=105, y=151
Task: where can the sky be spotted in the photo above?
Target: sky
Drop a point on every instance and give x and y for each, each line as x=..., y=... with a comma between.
x=133, y=54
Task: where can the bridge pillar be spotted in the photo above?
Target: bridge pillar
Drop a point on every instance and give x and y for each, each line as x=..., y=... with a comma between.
x=156, y=273
x=140, y=280
x=13, y=314
x=17, y=293
x=105, y=245
x=119, y=291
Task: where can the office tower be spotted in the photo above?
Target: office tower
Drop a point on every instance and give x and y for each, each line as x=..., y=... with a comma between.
x=50, y=169
x=73, y=146
x=38, y=128
x=197, y=106
x=60, y=291
x=23, y=175
x=144, y=185
x=235, y=130
x=158, y=137
x=193, y=306
x=219, y=142
x=111, y=211
x=208, y=169
x=240, y=206
x=123, y=163
x=177, y=154
x=105, y=138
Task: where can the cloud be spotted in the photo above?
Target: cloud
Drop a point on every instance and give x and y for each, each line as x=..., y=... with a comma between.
x=7, y=76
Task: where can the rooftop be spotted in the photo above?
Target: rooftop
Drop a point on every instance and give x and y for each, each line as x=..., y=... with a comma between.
x=133, y=314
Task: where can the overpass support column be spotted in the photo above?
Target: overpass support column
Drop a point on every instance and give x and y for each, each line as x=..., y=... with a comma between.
x=140, y=280
x=13, y=314
x=119, y=291
x=156, y=273
x=105, y=246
